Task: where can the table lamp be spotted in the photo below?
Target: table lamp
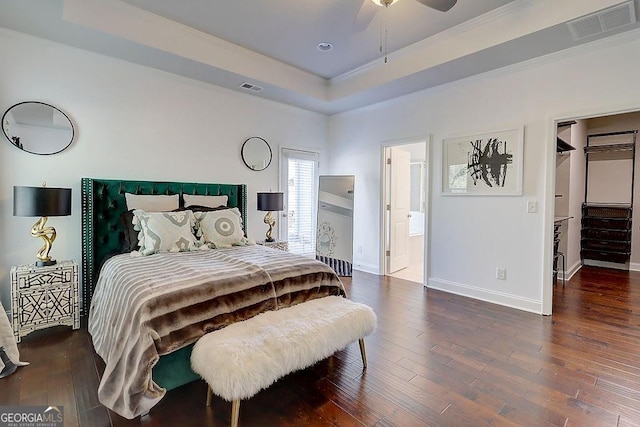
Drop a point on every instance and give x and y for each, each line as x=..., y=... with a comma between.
x=43, y=202
x=270, y=202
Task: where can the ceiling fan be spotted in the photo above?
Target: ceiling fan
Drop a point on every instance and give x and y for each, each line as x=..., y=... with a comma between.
x=370, y=7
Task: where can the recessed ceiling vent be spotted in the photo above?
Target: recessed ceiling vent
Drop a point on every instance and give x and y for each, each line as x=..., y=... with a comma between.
x=249, y=86
x=603, y=21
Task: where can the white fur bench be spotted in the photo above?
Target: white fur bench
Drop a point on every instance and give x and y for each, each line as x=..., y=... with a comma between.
x=240, y=360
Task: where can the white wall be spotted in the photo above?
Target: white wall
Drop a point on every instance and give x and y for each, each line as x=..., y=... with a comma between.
x=471, y=236
x=576, y=196
x=132, y=122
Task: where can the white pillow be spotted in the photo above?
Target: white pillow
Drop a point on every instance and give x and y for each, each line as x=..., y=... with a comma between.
x=164, y=231
x=221, y=228
x=207, y=201
x=152, y=202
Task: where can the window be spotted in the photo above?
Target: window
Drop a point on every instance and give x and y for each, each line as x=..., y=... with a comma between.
x=300, y=187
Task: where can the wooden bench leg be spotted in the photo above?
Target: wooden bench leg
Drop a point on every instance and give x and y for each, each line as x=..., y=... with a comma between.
x=235, y=412
x=209, y=395
x=363, y=353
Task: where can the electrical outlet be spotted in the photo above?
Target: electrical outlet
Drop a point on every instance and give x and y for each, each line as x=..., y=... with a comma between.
x=501, y=273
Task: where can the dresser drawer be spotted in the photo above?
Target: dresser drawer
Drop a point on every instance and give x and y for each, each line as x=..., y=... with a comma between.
x=618, y=257
x=600, y=234
x=606, y=223
x=606, y=211
x=607, y=245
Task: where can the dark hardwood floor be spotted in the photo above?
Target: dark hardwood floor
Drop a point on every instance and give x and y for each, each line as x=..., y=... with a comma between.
x=436, y=359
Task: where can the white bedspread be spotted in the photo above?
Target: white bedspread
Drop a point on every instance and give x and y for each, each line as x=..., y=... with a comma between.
x=146, y=307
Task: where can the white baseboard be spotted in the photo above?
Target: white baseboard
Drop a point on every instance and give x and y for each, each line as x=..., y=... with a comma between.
x=494, y=297
x=573, y=270
x=367, y=268
x=634, y=266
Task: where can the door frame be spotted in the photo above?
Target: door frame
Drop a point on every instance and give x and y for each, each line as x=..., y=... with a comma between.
x=549, y=192
x=427, y=198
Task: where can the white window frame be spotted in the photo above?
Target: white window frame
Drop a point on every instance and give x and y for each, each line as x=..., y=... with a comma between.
x=305, y=154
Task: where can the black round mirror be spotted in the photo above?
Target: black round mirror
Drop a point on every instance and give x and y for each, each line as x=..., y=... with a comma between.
x=256, y=153
x=37, y=128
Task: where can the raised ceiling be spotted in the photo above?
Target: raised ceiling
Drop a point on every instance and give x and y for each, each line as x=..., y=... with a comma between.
x=272, y=43
x=290, y=30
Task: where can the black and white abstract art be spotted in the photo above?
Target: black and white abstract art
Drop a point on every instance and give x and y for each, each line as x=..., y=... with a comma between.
x=484, y=164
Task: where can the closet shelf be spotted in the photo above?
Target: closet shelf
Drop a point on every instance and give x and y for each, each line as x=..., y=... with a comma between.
x=563, y=146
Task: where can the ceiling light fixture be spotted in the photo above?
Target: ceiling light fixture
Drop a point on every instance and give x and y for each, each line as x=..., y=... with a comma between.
x=385, y=3
x=325, y=47
x=384, y=32
x=441, y=5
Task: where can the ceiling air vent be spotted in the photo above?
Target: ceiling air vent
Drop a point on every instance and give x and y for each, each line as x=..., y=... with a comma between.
x=249, y=86
x=603, y=21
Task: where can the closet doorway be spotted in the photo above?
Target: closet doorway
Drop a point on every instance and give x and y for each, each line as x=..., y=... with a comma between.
x=596, y=196
x=404, y=210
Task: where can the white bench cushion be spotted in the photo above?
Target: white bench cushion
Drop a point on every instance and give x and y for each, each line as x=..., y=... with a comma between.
x=240, y=360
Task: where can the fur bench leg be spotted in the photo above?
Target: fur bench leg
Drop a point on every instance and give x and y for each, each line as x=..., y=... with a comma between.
x=235, y=407
x=235, y=412
x=363, y=353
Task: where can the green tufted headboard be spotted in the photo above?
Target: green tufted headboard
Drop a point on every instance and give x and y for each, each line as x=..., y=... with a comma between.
x=103, y=203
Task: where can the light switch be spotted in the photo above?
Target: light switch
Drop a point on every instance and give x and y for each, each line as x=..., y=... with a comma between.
x=532, y=206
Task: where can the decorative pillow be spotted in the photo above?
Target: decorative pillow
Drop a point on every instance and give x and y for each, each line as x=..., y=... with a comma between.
x=165, y=231
x=196, y=208
x=221, y=228
x=152, y=203
x=208, y=201
x=130, y=241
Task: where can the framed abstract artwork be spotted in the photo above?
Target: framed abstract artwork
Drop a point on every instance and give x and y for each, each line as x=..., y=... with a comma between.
x=488, y=164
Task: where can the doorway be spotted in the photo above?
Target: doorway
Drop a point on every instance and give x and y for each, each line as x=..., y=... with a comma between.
x=404, y=210
x=587, y=187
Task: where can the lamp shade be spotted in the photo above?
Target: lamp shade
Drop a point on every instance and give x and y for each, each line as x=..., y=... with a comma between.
x=41, y=201
x=270, y=202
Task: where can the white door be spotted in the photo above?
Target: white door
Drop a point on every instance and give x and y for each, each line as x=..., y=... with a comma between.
x=399, y=197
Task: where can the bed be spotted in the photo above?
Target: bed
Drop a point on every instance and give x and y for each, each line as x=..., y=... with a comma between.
x=169, y=300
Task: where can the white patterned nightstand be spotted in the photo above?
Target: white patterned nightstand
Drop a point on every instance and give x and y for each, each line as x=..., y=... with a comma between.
x=283, y=245
x=44, y=296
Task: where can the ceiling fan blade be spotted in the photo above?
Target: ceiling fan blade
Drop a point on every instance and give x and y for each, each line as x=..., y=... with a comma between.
x=441, y=5
x=365, y=15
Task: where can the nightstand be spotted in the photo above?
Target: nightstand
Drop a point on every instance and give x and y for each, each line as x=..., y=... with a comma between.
x=44, y=296
x=283, y=245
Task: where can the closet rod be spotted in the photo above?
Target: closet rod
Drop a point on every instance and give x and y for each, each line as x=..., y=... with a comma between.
x=622, y=132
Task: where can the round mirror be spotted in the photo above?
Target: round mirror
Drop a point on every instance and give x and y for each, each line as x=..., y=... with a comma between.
x=37, y=128
x=256, y=153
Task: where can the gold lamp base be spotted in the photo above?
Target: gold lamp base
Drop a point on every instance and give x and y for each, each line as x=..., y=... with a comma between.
x=271, y=221
x=48, y=234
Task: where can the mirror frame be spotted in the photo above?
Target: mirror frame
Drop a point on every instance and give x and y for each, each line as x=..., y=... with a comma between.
x=339, y=250
x=73, y=129
x=242, y=152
